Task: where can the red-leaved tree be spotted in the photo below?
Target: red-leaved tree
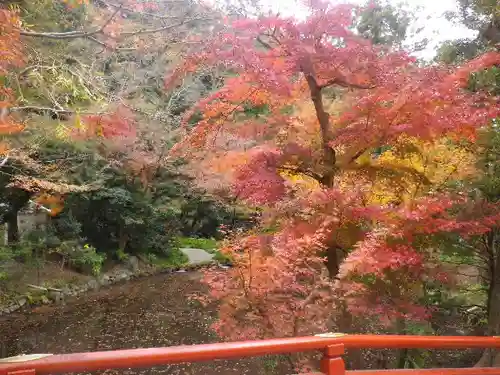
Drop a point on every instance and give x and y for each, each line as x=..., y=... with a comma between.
x=10, y=56
x=279, y=285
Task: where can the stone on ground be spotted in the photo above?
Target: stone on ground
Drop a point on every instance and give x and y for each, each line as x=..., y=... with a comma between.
x=197, y=256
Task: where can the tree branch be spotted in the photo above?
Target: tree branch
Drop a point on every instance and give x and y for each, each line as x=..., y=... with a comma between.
x=352, y=158
x=264, y=44
x=54, y=111
x=306, y=172
x=466, y=264
x=391, y=168
x=70, y=34
x=95, y=40
x=107, y=46
x=56, y=35
x=130, y=10
x=34, y=67
x=90, y=35
x=36, y=109
x=343, y=83
x=316, y=95
x=163, y=28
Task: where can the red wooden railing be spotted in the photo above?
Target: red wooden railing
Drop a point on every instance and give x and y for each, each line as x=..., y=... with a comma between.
x=332, y=345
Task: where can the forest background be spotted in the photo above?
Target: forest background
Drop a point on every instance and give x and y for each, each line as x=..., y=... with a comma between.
x=350, y=185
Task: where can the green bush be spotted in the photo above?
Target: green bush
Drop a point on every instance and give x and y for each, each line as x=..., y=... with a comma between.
x=121, y=255
x=23, y=251
x=5, y=253
x=173, y=259
x=84, y=258
x=87, y=257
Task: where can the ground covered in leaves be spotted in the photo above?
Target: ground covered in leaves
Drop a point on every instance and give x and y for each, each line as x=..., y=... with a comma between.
x=149, y=312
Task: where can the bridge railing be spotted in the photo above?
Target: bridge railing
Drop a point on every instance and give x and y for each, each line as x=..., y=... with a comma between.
x=332, y=346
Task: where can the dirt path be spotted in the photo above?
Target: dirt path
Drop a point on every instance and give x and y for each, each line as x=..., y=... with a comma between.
x=144, y=313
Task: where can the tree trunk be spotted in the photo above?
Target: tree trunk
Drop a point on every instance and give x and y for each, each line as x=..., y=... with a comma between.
x=122, y=240
x=491, y=357
x=492, y=32
x=17, y=200
x=333, y=260
x=195, y=221
x=334, y=255
x=402, y=354
x=329, y=157
x=12, y=227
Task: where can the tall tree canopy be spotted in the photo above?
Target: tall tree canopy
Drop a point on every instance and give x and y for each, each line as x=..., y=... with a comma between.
x=313, y=118
x=86, y=126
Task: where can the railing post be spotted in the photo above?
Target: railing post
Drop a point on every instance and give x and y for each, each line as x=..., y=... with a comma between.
x=332, y=362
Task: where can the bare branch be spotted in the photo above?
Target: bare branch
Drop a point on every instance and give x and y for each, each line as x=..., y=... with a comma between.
x=54, y=111
x=70, y=34
x=55, y=35
x=34, y=67
x=110, y=18
x=130, y=10
x=163, y=28
x=90, y=35
x=36, y=109
x=95, y=40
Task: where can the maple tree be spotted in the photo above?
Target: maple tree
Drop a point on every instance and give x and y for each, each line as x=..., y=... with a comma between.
x=12, y=56
x=404, y=248
x=311, y=173
x=116, y=125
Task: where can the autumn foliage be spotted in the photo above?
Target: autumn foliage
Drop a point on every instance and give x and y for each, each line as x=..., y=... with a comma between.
x=52, y=202
x=10, y=56
x=10, y=43
x=118, y=124
x=401, y=248
x=336, y=123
